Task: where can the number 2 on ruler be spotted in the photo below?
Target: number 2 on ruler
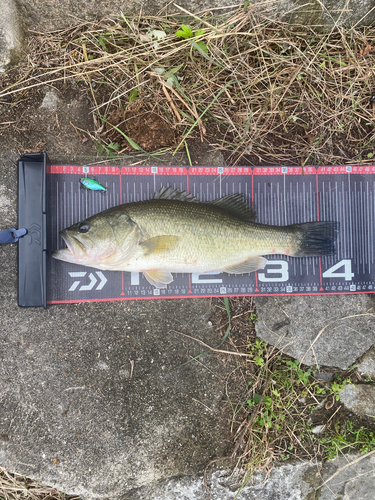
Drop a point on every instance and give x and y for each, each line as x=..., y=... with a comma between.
x=347, y=272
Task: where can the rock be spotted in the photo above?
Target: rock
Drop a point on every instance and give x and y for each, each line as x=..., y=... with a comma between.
x=285, y=482
x=327, y=13
x=328, y=330
x=366, y=367
x=318, y=429
x=49, y=15
x=54, y=121
x=359, y=398
x=7, y=208
x=96, y=400
x=50, y=101
x=355, y=479
x=292, y=481
x=11, y=34
x=324, y=376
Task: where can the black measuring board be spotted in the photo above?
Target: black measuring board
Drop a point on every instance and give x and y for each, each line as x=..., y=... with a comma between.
x=279, y=195
x=32, y=211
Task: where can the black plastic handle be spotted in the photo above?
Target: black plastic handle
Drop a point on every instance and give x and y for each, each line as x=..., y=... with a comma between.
x=32, y=215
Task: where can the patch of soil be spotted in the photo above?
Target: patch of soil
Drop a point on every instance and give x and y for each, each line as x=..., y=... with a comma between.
x=53, y=119
x=146, y=128
x=242, y=315
x=242, y=333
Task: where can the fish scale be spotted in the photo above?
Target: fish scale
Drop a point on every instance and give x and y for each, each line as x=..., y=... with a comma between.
x=211, y=236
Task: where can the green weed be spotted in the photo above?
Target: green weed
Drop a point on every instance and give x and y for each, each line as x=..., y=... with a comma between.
x=187, y=33
x=133, y=95
x=110, y=150
x=337, y=387
x=347, y=438
x=253, y=318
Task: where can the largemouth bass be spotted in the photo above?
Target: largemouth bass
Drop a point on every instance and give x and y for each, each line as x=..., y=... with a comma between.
x=175, y=233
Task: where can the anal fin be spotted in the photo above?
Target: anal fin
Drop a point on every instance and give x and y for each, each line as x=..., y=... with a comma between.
x=248, y=266
x=158, y=277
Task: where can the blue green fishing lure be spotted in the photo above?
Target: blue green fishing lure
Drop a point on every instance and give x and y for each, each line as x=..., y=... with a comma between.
x=92, y=184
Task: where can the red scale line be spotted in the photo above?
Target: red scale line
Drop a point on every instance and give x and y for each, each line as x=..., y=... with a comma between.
x=318, y=218
x=252, y=206
x=188, y=191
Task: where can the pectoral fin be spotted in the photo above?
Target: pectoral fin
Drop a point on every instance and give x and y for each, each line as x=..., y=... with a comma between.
x=249, y=266
x=160, y=244
x=158, y=277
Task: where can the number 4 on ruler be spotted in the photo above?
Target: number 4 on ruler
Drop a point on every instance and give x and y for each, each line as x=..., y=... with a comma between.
x=347, y=272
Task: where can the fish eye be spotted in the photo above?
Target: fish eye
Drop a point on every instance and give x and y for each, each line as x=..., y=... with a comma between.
x=84, y=227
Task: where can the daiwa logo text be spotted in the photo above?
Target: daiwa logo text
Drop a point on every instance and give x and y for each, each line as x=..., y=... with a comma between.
x=87, y=284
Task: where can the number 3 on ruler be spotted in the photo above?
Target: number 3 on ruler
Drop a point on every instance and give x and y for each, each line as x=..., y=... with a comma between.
x=347, y=272
x=274, y=274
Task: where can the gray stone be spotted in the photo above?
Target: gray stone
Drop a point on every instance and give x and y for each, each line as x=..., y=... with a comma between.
x=355, y=481
x=11, y=34
x=95, y=399
x=359, y=398
x=285, y=482
x=294, y=481
x=326, y=330
x=326, y=13
x=366, y=367
x=325, y=376
x=47, y=15
x=318, y=429
x=50, y=101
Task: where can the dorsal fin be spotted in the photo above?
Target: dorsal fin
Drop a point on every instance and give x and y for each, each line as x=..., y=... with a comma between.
x=235, y=204
x=168, y=193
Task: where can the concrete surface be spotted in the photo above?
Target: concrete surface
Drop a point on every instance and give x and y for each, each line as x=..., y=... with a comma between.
x=11, y=34
x=94, y=397
x=324, y=330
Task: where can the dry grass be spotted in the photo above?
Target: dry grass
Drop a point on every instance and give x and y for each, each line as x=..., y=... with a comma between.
x=261, y=91
x=15, y=487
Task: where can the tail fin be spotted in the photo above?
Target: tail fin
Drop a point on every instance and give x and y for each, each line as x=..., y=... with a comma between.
x=316, y=238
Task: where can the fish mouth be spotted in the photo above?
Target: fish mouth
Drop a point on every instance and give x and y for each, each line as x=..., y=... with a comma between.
x=76, y=248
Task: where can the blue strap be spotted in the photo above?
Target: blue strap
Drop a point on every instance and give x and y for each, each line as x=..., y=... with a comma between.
x=12, y=235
